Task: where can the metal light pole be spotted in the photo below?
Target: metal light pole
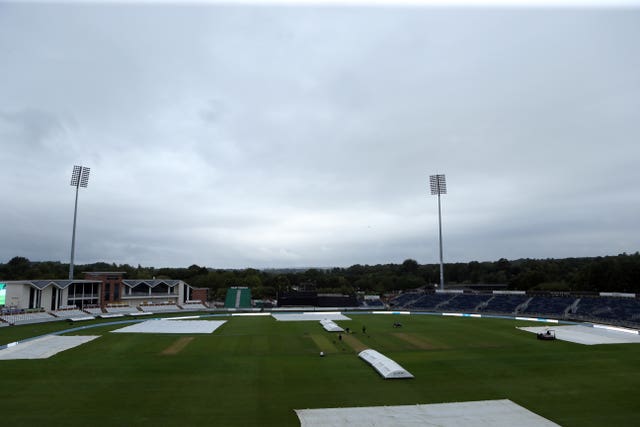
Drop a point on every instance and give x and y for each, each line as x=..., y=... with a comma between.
x=79, y=178
x=439, y=186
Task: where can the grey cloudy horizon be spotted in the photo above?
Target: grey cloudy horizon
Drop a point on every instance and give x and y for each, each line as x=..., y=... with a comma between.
x=299, y=136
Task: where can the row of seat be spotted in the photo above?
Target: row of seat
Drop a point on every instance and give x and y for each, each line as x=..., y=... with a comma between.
x=22, y=318
x=68, y=314
x=607, y=308
x=194, y=306
x=27, y=317
x=157, y=308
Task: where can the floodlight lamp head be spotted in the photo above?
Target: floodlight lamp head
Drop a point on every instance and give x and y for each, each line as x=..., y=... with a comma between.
x=80, y=176
x=438, y=184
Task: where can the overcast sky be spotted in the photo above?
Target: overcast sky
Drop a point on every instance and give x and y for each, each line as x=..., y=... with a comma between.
x=304, y=135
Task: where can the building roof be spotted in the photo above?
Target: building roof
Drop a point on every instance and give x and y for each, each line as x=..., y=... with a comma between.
x=152, y=283
x=62, y=284
x=41, y=284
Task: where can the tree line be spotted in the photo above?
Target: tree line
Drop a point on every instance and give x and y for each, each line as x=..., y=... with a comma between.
x=620, y=273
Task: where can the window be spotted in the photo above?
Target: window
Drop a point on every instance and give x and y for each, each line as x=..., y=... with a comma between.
x=107, y=292
x=160, y=289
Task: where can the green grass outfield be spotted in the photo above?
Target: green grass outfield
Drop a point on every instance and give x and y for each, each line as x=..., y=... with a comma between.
x=256, y=371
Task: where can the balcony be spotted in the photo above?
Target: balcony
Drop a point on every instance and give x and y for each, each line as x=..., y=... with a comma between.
x=138, y=295
x=85, y=296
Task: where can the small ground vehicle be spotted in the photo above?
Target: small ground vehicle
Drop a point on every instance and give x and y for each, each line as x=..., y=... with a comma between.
x=549, y=335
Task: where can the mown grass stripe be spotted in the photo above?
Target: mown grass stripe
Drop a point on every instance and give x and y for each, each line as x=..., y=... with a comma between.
x=323, y=343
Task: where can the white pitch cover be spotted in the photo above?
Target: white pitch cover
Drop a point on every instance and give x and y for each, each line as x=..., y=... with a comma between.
x=385, y=366
x=330, y=326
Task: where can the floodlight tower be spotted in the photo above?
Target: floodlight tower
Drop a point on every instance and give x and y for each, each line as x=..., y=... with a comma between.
x=439, y=186
x=79, y=178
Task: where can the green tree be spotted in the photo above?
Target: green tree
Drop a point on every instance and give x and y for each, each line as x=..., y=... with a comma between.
x=409, y=266
x=18, y=268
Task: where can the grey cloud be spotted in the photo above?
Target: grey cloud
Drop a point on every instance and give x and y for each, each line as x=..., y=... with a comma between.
x=213, y=111
x=279, y=135
x=30, y=126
